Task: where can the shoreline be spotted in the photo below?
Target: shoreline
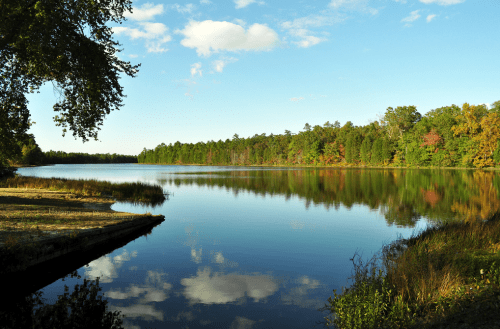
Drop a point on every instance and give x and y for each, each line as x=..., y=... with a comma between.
x=326, y=166
x=288, y=166
x=34, y=222
x=447, y=276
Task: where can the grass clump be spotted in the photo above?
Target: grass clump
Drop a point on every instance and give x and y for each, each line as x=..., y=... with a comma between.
x=446, y=276
x=134, y=192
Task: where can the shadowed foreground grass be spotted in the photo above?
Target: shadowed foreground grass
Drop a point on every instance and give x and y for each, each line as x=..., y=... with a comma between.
x=447, y=276
x=134, y=192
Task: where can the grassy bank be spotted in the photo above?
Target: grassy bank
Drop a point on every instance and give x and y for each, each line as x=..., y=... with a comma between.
x=134, y=192
x=443, y=277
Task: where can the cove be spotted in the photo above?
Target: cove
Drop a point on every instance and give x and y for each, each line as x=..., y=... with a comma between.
x=249, y=247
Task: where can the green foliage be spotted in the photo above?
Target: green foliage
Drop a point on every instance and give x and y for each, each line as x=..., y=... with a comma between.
x=60, y=157
x=444, y=275
x=84, y=308
x=403, y=138
x=369, y=302
x=496, y=154
x=365, y=149
x=376, y=154
x=398, y=121
x=6, y=170
x=68, y=43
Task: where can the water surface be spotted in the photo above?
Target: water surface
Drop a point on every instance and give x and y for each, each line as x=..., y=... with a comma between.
x=261, y=247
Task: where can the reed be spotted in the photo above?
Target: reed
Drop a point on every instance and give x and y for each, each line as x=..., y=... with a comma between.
x=134, y=192
x=445, y=275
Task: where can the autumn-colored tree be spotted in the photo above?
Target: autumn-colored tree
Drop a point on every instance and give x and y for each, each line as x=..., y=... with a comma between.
x=487, y=140
x=468, y=128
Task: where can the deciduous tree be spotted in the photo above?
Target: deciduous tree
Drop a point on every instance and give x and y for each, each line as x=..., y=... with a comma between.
x=68, y=43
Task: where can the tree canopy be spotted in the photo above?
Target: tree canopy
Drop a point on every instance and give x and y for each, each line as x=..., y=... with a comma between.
x=69, y=44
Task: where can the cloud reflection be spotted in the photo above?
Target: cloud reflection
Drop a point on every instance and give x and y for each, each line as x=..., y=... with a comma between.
x=225, y=288
x=299, y=294
x=105, y=267
x=154, y=289
x=218, y=258
x=242, y=323
x=145, y=311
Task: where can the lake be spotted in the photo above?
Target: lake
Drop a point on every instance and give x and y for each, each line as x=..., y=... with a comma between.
x=251, y=247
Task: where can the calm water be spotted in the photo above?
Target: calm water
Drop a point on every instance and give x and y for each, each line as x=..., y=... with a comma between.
x=261, y=247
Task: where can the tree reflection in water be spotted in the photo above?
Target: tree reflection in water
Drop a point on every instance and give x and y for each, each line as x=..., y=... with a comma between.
x=401, y=195
x=83, y=308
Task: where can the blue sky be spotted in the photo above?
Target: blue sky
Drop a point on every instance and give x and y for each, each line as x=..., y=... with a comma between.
x=212, y=69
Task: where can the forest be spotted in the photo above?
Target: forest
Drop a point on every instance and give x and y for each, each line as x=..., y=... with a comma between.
x=450, y=136
x=31, y=154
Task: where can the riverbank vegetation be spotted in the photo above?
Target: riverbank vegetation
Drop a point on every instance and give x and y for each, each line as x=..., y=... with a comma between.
x=445, y=137
x=133, y=192
x=445, y=277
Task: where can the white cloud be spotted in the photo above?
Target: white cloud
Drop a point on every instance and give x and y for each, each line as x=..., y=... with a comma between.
x=211, y=36
x=295, y=99
x=156, y=35
x=221, y=63
x=244, y=3
x=299, y=28
x=307, y=39
x=442, y=2
x=414, y=15
x=205, y=2
x=146, y=12
x=188, y=8
x=358, y=5
x=239, y=22
x=430, y=18
x=195, y=69
x=311, y=21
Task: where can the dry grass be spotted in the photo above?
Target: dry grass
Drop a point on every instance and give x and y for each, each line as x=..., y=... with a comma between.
x=33, y=211
x=443, y=277
x=440, y=262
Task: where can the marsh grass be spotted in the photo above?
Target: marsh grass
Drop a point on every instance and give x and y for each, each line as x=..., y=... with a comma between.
x=443, y=276
x=133, y=192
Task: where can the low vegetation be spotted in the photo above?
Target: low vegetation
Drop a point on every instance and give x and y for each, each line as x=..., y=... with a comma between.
x=445, y=277
x=134, y=192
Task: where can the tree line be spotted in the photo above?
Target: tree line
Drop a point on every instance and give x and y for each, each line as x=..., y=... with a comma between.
x=31, y=154
x=445, y=137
